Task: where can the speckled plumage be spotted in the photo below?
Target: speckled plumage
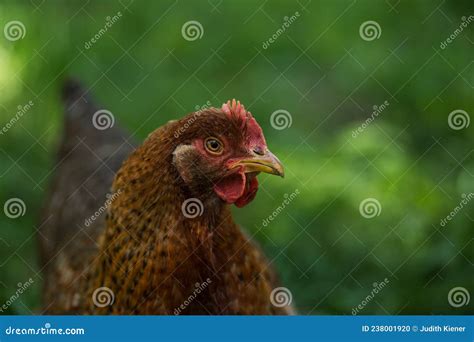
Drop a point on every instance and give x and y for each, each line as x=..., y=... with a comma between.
x=150, y=255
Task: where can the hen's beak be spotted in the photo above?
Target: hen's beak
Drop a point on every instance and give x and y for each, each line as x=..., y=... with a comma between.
x=267, y=163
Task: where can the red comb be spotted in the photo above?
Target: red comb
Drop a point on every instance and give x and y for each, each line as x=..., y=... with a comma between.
x=247, y=123
x=237, y=110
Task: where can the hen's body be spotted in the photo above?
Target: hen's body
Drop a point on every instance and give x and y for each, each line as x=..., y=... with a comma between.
x=146, y=255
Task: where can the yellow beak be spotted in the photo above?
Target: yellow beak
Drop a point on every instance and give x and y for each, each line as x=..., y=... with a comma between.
x=267, y=163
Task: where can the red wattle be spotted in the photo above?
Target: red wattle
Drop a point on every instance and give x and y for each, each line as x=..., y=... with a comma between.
x=230, y=188
x=249, y=193
x=237, y=189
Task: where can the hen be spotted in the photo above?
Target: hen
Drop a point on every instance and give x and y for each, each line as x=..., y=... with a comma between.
x=165, y=241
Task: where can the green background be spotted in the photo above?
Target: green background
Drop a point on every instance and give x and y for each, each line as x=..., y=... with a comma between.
x=327, y=77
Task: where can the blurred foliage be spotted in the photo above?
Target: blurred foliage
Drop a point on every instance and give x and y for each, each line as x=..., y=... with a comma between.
x=327, y=77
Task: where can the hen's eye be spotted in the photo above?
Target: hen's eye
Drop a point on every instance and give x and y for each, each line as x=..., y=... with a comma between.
x=213, y=145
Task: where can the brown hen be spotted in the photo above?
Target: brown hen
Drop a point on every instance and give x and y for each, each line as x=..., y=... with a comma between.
x=167, y=242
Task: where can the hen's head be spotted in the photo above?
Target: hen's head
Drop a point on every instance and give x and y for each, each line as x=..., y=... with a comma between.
x=219, y=153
